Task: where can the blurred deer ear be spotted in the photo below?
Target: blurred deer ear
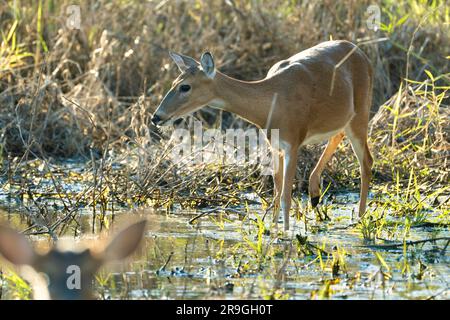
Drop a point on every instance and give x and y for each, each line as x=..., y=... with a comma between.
x=207, y=63
x=125, y=242
x=15, y=247
x=183, y=62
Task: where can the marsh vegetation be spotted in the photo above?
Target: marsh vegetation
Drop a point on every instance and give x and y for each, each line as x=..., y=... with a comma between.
x=78, y=150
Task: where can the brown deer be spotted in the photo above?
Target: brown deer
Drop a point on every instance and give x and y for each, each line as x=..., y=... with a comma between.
x=322, y=93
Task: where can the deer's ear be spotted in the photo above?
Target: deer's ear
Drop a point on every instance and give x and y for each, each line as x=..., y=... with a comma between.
x=207, y=63
x=183, y=62
x=125, y=242
x=15, y=247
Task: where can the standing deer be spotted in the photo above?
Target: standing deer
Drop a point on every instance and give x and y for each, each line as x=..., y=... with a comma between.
x=322, y=93
x=59, y=266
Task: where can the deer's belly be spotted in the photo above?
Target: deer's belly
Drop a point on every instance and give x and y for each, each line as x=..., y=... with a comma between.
x=320, y=137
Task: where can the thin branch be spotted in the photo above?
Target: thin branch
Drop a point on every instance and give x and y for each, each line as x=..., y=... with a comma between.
x=401, y=244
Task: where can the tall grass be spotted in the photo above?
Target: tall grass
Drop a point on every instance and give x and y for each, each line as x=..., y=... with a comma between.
x=89, y=93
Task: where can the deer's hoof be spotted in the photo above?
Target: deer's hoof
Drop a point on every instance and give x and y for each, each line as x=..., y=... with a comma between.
x=315, y=201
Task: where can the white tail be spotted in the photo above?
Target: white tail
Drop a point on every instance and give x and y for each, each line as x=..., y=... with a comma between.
x=70, y=274
x=321, y=93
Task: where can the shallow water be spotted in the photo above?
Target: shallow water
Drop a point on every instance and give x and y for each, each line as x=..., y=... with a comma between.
x=206, y=261
x=197, y=270
x=222, y=256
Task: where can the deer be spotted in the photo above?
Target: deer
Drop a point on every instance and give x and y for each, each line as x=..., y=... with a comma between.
x=69, y=275
x=322, y=93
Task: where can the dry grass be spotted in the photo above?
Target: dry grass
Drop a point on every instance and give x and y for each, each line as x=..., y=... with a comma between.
x=89, y=93
x=76, y=137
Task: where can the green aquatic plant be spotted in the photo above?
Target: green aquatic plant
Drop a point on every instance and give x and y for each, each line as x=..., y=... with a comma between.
x=10, y=279
x=372, y=224
x=338, y=263
x=259, y=245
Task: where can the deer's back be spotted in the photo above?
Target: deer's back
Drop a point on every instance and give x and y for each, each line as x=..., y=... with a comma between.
x=321, y=82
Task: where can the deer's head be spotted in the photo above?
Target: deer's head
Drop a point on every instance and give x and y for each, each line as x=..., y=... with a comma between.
x=193, y=89
x=67, y=275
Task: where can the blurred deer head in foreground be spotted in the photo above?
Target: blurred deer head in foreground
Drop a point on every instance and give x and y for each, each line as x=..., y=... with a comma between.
x=68, y=275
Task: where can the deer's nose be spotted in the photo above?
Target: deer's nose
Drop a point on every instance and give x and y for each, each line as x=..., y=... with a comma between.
x=156, y=119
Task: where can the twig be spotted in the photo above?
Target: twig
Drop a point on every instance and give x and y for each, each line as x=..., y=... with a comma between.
x=216, y=209
x=167, y=261
x=431, y=224
x=399, y=245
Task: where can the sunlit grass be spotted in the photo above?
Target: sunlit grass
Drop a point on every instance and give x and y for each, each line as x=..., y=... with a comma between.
x=79, y=95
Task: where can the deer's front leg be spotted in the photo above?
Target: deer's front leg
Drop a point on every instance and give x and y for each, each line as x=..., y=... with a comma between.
x=289, y=167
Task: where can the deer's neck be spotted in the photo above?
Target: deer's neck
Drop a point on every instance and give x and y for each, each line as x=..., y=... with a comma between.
x=249, y=100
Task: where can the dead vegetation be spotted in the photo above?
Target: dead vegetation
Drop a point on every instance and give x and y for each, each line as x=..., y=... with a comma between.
x=76, y=138
x=88, y=94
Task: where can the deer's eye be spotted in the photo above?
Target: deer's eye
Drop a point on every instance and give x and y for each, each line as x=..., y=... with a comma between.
x=185, y=88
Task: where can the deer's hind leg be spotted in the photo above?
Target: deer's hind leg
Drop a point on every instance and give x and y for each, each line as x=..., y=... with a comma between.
x=278, y=185
x=314, y=178
x=357, y=133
